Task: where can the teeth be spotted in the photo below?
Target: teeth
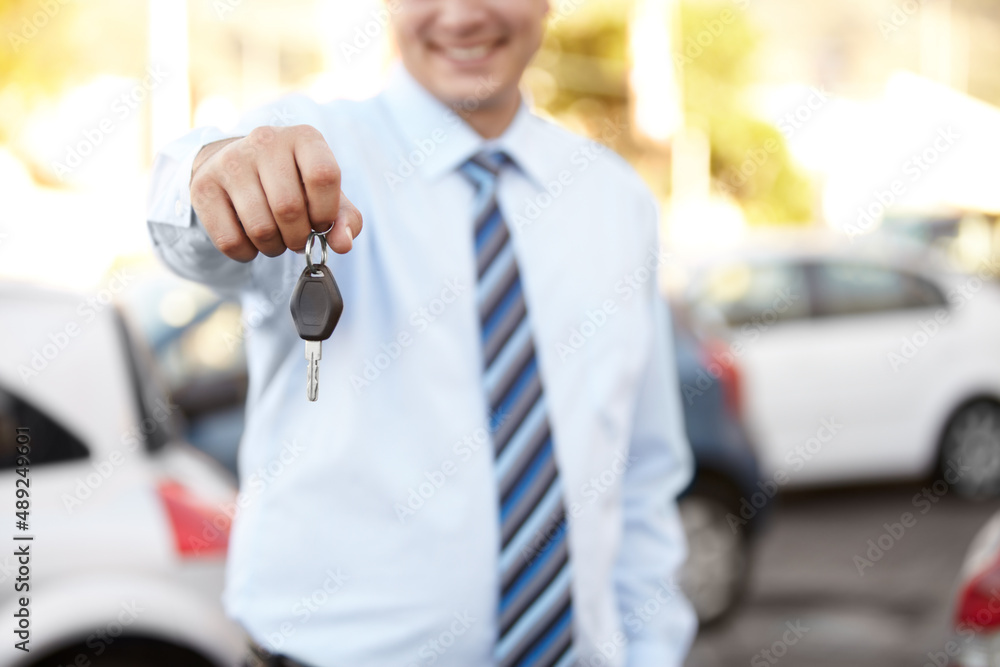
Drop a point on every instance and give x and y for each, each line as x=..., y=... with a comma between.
x=469, y=53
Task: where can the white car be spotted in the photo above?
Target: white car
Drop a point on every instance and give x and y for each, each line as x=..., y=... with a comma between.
x=861, y=361
x=128, y=526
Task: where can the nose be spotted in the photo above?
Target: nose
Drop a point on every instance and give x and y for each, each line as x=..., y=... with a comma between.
x=460, y=18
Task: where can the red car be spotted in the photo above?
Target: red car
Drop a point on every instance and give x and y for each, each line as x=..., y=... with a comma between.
x=976, y=623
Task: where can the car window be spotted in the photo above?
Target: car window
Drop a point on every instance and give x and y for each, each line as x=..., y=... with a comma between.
x=156, y=413
x=854, y=288
x=51, y=442
x=211, y=347
x=746, y=293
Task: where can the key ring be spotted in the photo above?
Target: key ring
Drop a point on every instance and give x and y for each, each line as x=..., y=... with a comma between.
x=309, y=247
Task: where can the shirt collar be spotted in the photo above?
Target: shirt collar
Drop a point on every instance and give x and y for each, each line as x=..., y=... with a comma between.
x=440, y=141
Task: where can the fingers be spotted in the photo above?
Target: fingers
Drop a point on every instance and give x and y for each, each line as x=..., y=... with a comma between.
x=267, y=191
x=247, y=196
x=320, y=176
x=346, y=227
x=218, y=217
x=279, y=179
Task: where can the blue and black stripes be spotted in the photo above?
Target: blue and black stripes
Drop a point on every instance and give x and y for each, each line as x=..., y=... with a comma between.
x=536, y=611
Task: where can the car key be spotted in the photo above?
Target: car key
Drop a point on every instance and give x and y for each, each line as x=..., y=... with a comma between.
x=316, y=306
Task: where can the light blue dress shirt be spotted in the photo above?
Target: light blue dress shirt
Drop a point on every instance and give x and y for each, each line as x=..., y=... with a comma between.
x=368, y=526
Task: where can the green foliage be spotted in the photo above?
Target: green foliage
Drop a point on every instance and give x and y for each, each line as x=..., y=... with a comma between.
x=585, y=54
x=750, y=159
x=587, y=58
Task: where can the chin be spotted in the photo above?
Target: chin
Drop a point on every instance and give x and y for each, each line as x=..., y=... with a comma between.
x=484, y=87
x=461, y=92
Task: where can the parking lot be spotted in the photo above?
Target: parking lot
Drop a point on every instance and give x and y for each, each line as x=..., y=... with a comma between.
x=806, y=587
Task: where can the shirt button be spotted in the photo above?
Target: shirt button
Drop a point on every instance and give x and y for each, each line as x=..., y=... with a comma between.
x=178, y=208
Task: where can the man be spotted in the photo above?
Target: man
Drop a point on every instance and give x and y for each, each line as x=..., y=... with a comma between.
x=489, y=475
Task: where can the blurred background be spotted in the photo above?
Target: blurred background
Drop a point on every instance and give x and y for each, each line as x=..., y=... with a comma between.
x=830, y=202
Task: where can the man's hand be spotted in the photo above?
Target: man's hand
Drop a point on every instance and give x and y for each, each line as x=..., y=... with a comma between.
x=266, y=191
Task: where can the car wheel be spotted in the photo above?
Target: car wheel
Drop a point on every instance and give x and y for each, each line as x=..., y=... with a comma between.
x=125, y=652
x=715, y=574
x=970, y=450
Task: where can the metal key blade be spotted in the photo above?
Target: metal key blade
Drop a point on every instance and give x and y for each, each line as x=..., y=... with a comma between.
x=316, y=306
x=314, y=352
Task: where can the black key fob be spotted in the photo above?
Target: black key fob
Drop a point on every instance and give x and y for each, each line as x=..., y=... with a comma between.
x=316, y=303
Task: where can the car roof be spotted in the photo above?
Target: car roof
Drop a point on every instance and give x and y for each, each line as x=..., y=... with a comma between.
x=823, y=245
x=55, y=298
x=66, y=356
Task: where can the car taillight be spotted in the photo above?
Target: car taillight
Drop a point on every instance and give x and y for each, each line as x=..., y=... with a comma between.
x=979, y=602
x=721, y=364
x=199, y=528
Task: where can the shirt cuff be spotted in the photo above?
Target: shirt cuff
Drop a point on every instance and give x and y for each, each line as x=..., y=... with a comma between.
x=170, y=178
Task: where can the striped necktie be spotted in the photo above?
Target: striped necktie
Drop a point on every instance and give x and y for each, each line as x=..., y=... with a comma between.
x=535, y=615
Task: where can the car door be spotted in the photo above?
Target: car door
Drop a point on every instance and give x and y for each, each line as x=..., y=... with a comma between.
x=832, y=383
x=876, y=339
